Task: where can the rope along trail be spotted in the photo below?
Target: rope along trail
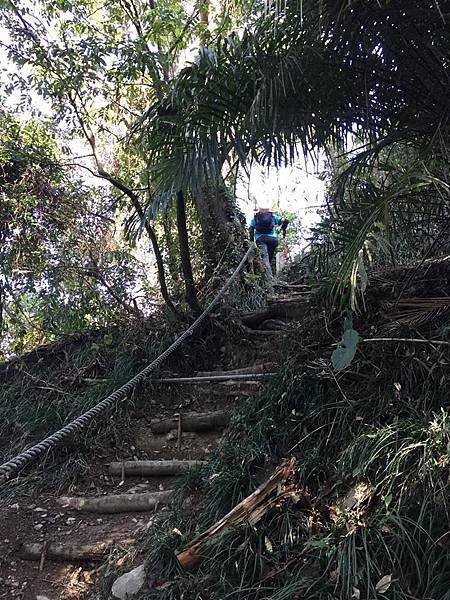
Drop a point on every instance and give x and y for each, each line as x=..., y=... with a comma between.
x=56, y=439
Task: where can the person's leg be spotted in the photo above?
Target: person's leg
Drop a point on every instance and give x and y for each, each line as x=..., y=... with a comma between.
x=272, y=243
x=263, y=248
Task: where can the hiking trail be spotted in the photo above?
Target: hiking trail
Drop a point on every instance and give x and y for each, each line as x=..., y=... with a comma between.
x=53, y=545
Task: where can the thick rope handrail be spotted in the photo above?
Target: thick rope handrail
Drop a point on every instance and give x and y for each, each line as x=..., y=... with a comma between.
x=55, y=439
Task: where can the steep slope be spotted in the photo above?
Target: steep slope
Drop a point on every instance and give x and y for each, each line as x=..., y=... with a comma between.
x=50, y=547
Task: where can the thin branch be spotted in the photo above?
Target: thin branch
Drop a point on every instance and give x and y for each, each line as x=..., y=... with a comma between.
x=414, y=340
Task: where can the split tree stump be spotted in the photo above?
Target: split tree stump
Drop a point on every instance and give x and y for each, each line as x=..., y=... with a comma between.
x=271, y=494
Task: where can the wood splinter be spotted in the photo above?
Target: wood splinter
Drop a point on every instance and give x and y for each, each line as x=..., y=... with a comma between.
x=271, y=494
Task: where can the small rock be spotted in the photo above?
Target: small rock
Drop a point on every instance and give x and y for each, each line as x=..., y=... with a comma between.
x=15, y=506
x=42, y=598
x=129, y=584
x=70, y=521
x=38, y=526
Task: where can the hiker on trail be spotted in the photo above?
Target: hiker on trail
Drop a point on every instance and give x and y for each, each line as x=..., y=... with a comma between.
x=263, y=233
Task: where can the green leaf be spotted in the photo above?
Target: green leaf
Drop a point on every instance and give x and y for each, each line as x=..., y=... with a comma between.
x=343, y=356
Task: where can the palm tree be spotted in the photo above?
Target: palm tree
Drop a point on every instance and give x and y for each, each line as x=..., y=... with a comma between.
x=361, y=78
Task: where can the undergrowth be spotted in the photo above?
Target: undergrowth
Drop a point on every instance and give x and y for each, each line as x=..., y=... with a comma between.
x=43, y=390
x=372, y=468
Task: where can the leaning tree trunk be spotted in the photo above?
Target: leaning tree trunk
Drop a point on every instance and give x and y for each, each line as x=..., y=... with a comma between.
x=186, y=265
x=172, y=252
x=160, y=266
x=221, y=230
x=117, y=183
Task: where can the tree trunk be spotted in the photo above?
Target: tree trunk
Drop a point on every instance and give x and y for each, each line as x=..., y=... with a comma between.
x=172, y=258
x=221, y=230
x=186, y=266
x=160, y=266
x=204, y=12
x=151, y=234
x=120, y=185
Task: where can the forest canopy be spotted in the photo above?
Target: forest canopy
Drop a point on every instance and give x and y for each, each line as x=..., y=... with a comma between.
x=174, y=101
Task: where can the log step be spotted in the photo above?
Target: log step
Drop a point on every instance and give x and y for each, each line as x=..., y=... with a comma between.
x=262, y=332
x=71, y=552
x=244, y=377
x=192, y=422
x=153, y=468
x=261, y=368
x=120, y=503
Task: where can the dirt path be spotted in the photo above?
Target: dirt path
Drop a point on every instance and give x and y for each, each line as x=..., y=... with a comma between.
x=43, y=520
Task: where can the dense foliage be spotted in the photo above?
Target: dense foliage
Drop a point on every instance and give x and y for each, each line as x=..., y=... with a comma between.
x=172, y=102
x=64, y=268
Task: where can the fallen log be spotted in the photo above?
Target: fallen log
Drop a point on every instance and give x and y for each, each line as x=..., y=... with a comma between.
x=262, y=368
x=70, y=552
x=153, y=468
x=226, y=377
x=192, y=422
x=261, y=332
x=255, y=318
x=276, y=325
x=118, y=503
x=271, y=494
x=222, y=390
x=288, y=309
x=293, y=286
x=296, y=298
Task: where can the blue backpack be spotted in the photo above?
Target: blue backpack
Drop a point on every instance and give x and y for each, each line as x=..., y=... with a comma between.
x=264, y=222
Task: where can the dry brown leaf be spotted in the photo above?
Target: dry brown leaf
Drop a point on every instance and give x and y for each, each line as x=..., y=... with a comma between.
x=384, y=584
x=268, y=544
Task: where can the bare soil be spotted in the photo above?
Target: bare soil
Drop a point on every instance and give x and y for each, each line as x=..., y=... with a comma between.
x=38, y=518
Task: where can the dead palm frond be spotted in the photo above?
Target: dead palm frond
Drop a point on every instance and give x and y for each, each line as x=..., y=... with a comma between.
x=415, y=312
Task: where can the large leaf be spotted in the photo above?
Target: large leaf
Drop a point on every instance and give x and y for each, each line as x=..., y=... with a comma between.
x=343, y=356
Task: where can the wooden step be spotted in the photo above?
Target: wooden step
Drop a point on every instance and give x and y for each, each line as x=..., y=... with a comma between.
x=71, y=552
x=192, y=422
x=152, y=468
x=213, y=378
x=118, y=503
x=261, y=368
